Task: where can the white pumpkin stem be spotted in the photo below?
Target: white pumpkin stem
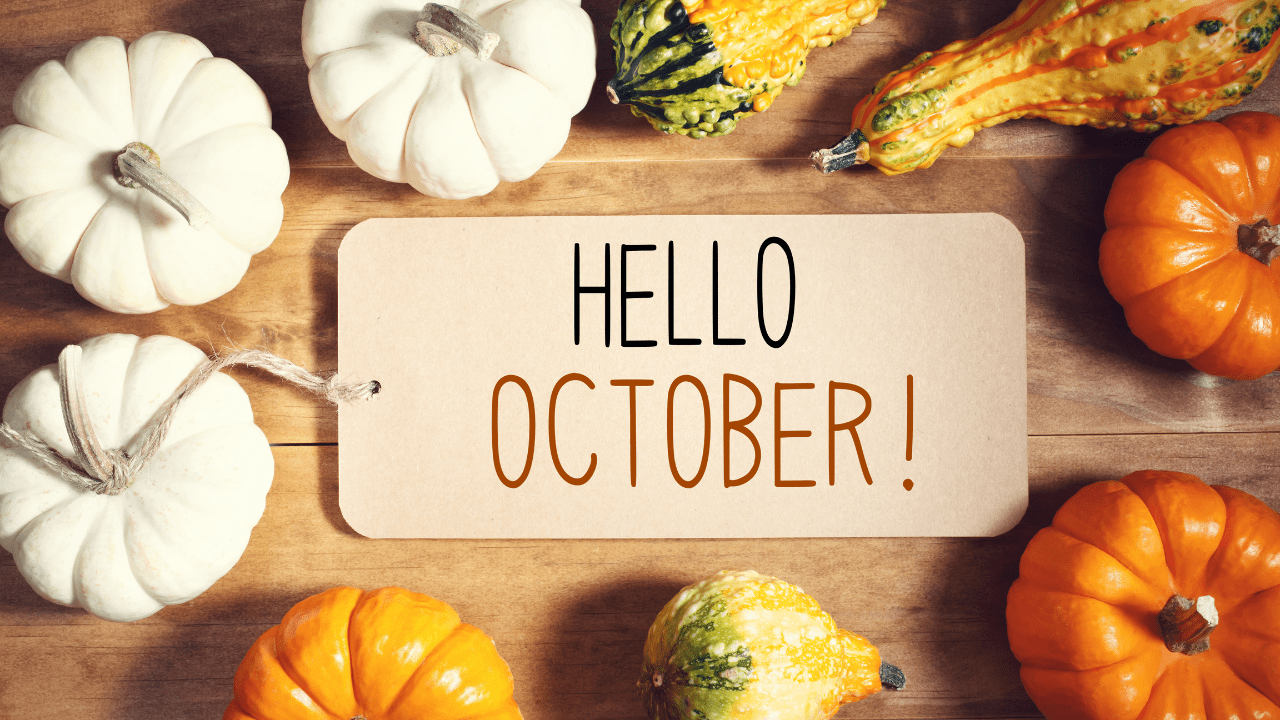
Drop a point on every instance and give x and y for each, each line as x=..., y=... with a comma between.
x=108, y=467
x=138, y=166
x=442, y=30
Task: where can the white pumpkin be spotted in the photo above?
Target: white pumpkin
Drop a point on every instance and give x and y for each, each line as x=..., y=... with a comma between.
x=451, y=125
x=124, y=248
x=185, y=518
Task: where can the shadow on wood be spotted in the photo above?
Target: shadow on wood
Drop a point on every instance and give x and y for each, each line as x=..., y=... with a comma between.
x=185, y=668
x=599, y=651
x=981, y=572
x=326, y=467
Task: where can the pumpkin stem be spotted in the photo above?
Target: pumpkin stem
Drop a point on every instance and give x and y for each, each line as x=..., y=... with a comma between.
x=138, y=166
x=852, y=150
x=1186, y=624
x=442, y=30
x=892, y=677
x=106, y=466
x=1261, y=241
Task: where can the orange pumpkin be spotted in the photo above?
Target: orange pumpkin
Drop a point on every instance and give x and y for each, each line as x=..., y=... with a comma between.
x=1155, y=597
x=1189, y=245
x=387, y=654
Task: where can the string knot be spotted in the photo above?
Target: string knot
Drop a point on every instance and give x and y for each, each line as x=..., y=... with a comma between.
x=121, y=476
x=110, y=471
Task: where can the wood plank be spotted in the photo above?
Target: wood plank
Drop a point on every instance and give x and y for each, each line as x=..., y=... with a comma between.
x=1087, y=373
x=570, y=616
x=274, y=308
x=264, y=38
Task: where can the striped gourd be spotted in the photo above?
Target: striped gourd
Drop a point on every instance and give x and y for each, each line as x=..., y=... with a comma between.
x=1106, y=63
x=695, y=67
x=746, y=646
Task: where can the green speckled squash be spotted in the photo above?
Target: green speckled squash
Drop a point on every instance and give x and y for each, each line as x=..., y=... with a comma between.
x=1140, y=64
x=696, y=67
x=747, y=646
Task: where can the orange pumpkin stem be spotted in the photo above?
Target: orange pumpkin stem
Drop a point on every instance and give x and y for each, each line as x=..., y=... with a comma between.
x=1186, y=624
x=1261, y=241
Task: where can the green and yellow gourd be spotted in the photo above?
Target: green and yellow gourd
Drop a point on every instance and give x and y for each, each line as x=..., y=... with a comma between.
x=745, y=646
x=696, y=67
x=1107, y=63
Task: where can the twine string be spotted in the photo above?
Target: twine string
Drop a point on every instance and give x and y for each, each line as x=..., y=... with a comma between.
x=107, y=471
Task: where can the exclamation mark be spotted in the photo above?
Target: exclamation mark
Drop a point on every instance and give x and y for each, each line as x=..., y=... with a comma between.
x=907, y=483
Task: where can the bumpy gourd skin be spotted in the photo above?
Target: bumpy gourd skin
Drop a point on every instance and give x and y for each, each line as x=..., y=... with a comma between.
x=695, y=67
x=1107, y=63
x=742, y=645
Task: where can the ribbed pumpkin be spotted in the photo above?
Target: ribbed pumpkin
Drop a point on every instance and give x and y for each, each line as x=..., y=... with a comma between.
x=387, y=654
x=696, y=67
x=747, y=646
x=1139, y=63
x=1189, y=247
x=1152, y=598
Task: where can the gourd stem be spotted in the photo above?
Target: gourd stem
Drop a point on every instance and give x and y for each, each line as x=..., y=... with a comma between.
x=1261, y=241
x=852, y=150
x=103, y=465
x=139, y=166
x=892, y=677
x=442, y=30
x=1186, y=624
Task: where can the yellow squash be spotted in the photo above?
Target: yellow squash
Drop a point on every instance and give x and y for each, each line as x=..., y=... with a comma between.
x=696, y=67
x=745, y=646
x=1107, y=63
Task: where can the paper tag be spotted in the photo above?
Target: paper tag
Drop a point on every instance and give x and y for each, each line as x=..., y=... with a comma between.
x=581, y=377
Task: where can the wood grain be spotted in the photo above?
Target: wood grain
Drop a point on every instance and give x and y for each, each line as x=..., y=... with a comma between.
x=1087, y=373
x=571, y=616
x=264, y=37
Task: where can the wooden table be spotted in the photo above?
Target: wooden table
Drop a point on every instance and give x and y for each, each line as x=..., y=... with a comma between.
x=571, y=616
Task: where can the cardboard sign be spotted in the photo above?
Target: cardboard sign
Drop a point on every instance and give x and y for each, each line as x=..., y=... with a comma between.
x=684, y=377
